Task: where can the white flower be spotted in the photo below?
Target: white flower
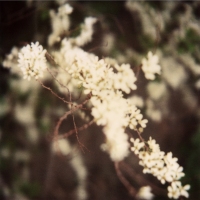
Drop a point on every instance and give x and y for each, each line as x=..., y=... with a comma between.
x=173, y=72
x=162, y=166
x=137, y=101
x=116, y=143
x=32, y=61
x=150, y=66
x=60, y=23
x=124, y=79
x=184, y=192
x=145, y=193
x=137, y=145
x=86, y=32
x=157, y=90
x=65, y=10
x=175, y=190
x=11, y=61
x=61, y=146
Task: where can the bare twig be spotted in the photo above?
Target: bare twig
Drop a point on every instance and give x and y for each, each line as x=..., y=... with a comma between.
x=48, y=88
x=85, y=126
x=69, y=93
x=71, y=111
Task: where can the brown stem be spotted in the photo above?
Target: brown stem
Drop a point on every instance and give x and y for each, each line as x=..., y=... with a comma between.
x=76, y=131
x=60, y=83
x=141, y=180
x=73, y=109
x=138, y=70
x=85, y=126
x=48, y=88
x=125, y=182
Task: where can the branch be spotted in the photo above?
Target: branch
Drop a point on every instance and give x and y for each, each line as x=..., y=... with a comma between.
x=125, y=182
x=73, y=109
x=85, y=126
x=141, y=180
x=48, y=88
x=69, y=93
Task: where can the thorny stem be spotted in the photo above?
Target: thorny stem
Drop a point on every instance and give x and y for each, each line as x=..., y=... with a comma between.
x=125, y=182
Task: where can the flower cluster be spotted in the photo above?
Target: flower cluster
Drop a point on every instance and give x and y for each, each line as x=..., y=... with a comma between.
x=86, y=32
x=161, y=165
x=32, y=61
x=106, y=80
x=60, y=23
x=11, y=61
x=150, y=66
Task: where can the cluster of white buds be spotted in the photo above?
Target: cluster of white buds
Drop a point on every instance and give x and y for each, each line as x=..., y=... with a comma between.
x=161, y=165
x=32, y=61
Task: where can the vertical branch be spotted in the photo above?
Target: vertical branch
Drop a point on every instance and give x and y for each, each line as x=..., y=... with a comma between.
x=141, y=180
x=76, y=131
x=125, y=182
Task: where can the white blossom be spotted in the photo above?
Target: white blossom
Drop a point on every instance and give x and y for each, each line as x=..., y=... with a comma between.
x=137, y=145
x=175, y=190
x=145, y=193
x=60, y=23
x=10, y=61
x=173, y=72
x=32, y=61
x=150, y=66
x=161, y=165
x=86, y=32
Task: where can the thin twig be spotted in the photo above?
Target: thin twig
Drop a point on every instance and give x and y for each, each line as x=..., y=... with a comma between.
x=69, y=93
x=85, y=126
x=138, y=71
x=73, y=109
x=76, y=131
x=48, y=88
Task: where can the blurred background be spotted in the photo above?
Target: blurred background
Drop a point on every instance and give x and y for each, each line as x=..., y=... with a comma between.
x=126, y=31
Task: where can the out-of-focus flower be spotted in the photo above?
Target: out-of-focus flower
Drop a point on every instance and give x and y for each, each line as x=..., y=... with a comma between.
x=150, y=66
x=145, y=193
